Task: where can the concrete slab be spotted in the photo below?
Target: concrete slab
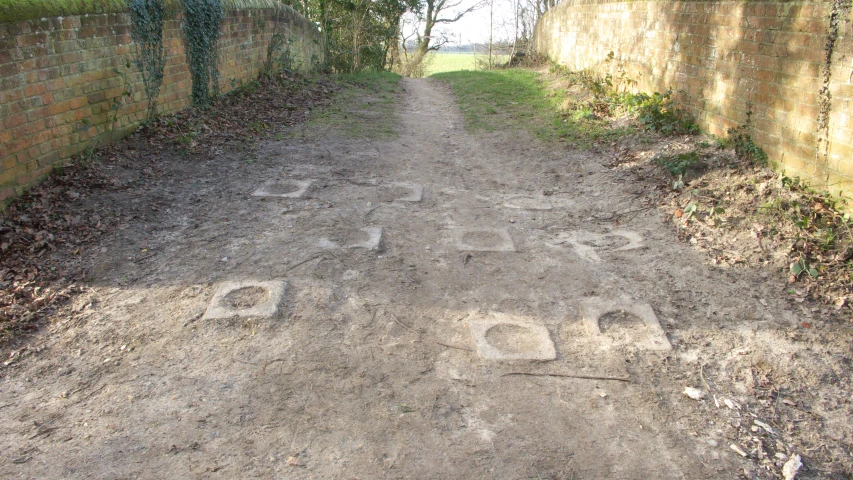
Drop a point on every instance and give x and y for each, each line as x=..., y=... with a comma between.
x=283, y=188
x=245, y=299
x=499, y=336
x=483, y=240
x=368, y=237
x=528, y=202
x=649, y=335
x=588, y=244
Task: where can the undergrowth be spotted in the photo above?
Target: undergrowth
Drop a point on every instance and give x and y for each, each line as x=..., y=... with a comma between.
x=745, y=213
x=609, y=95
x=677, y=164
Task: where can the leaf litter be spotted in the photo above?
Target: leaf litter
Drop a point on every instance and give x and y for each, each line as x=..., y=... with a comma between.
x=47, y=233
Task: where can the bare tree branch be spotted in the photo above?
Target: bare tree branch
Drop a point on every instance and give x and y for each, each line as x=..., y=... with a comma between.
x=461, y=14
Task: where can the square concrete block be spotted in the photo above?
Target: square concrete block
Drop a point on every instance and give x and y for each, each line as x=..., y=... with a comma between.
x=645, y=331
x=503, y=337
x=245, y=299
x=283, y=188
x=587, y=244
x=368, y=237
x=528, y=202
x=483, y=240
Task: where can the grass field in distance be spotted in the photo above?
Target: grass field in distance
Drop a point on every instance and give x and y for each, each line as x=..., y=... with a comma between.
x=438, y=62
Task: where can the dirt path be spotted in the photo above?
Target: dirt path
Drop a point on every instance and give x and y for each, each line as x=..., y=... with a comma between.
x=370, y=368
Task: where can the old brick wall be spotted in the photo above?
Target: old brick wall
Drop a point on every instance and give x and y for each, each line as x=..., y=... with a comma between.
x=726, y=57
x=58, y=81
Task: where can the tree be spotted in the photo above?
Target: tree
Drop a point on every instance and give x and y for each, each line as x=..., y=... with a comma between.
x=358, y=34
x=436, y=12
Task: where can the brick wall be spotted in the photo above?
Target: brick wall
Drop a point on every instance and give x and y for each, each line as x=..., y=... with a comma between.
x=58, y=80
x=724, y=56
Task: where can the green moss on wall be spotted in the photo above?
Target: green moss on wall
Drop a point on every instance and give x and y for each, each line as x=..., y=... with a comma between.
x=17, y=10
x=20, y=10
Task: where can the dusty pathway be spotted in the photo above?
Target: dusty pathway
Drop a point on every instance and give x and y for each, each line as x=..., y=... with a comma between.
x=370, y=368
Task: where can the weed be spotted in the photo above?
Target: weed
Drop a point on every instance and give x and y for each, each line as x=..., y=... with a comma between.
x=657, y=113
x=745, y=149
x=677, y=165
x=258, y=127
x=802, y=265
x=186, y=142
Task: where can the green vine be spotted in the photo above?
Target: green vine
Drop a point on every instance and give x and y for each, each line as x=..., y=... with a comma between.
x=201, y=36
x=147, y=32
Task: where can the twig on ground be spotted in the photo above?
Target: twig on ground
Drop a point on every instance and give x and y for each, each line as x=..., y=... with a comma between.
x=426, y=338
x=303, y=262
x=569, y=375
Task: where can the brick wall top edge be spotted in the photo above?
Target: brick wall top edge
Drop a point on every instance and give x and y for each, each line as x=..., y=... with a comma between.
x=22, y=11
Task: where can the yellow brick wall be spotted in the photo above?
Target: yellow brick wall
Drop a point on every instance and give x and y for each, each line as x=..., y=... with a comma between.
x=58, y=80
x=721, y=57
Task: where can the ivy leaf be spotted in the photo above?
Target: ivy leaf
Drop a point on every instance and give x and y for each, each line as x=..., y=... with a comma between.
x=797, y=268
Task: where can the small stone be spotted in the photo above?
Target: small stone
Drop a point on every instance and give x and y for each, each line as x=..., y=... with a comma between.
x=694, y=393
x=791, y=467
x=738, y=450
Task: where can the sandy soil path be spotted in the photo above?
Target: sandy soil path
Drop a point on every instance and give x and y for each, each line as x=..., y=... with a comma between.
x=371, y=366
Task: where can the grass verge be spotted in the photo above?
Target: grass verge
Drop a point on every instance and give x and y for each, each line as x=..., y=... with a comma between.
x=492, y=100
x=362, y=107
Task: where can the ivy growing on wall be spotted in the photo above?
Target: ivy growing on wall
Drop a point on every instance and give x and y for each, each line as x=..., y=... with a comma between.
x=147, y=32
x=202, y=19
x=838, y=13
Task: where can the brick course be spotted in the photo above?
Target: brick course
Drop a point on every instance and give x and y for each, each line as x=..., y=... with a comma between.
x=721, y=56
x=57, y=82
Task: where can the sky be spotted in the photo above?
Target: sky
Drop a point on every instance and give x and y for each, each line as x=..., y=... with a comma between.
x=474, y=27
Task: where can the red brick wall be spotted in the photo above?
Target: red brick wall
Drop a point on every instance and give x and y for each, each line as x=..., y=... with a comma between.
x=58, y=84
x=724, y=56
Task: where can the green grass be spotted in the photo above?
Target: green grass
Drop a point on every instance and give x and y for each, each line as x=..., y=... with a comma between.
x=363, y=107
x=438, y=62
x=495, y=99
